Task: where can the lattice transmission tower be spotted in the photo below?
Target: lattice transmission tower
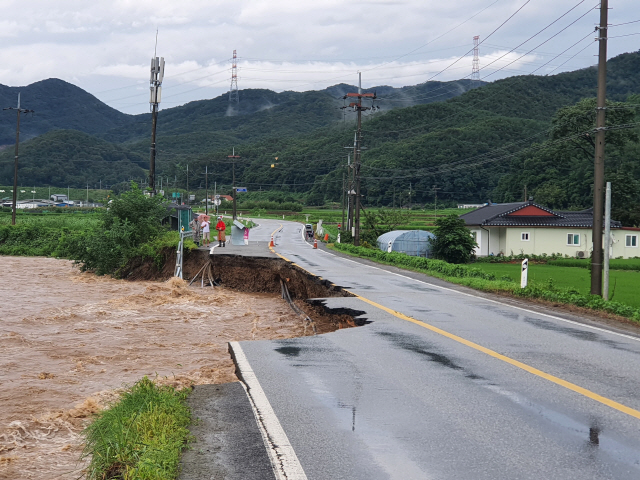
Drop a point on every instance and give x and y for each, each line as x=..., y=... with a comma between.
x=234, y=98
x=475, y=69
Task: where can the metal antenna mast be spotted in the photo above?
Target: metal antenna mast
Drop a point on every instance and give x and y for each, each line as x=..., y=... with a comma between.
x=15, y=165
x=157, y=74
x=233, y=91
x=475, y=69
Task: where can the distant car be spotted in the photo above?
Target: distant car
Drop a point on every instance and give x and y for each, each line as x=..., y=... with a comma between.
x=308, y=231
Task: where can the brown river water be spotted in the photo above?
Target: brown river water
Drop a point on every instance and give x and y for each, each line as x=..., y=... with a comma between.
x=70, y=340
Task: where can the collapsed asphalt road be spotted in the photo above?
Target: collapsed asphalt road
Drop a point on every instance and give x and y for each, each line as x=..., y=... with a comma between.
x=445, y=385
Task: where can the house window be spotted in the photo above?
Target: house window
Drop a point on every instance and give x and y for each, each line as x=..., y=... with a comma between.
x=631, y=240
x=524, y=236
x=573, y=239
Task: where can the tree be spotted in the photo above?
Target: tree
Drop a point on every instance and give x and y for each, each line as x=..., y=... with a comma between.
x=375, y=223
x=453, y=242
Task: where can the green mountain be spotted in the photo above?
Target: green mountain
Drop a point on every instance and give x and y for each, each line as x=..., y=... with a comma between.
x=462, y=146
x=71, y=158
x=57, y=105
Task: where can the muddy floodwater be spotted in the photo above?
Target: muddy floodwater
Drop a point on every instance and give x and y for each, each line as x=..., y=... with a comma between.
x=70, y=340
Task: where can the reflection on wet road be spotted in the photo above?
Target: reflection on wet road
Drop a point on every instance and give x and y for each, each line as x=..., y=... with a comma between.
x=395, y=400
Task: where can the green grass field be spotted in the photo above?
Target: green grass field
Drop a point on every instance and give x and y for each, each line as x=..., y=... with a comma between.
x=624, y=284
x=72, y=221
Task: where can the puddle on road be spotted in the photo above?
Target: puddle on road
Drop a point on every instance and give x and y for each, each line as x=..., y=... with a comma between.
x=70, y=340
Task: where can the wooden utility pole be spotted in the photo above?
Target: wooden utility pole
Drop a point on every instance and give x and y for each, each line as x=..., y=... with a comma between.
x=15, y=164
x=357, y=150
x=235, y=194
x=598, y=168
x=206, y=190
x=344, y=187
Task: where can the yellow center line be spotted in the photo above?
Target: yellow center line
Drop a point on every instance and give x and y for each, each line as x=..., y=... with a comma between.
x=527, y=368
x=558, y=381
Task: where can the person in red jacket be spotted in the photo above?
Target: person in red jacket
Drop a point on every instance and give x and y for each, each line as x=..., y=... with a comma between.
x=221, y=227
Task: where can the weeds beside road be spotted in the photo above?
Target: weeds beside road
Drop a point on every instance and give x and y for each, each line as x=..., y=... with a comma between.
x=479, y=279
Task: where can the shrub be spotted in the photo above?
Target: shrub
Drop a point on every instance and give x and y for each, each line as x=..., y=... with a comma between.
x=453, y=242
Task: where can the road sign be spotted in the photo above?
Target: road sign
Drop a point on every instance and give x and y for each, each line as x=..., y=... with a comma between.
x=217, y=201
x=217, y=197
x=241, y=189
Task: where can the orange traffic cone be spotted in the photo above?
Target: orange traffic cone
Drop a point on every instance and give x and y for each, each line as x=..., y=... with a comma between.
x=315, y=243
x=271, y=243
x=326, y=237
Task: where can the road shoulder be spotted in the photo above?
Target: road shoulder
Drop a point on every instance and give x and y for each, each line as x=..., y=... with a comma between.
x=567, y=312
x=228, y=444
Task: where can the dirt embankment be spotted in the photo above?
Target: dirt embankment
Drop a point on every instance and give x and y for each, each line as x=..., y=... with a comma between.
x=70, y=340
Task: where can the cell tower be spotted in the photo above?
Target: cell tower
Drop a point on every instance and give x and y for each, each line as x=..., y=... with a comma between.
x=475, y=70
x=233, y=91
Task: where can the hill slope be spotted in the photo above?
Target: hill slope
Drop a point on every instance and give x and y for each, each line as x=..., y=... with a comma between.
x=71, y=158
x=57, y=105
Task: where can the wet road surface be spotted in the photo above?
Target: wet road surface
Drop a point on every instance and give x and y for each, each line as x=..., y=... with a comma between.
x=465, y=388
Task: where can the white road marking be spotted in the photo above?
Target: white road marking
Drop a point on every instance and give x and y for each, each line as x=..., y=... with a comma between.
x=284, y=460
x=599, y=329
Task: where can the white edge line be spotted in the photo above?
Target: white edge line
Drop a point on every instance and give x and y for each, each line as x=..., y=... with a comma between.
x=599, y=329
x=284, y=460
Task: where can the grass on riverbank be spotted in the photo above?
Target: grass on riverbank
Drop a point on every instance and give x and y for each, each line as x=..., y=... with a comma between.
x=480, y=279
x=141, y=436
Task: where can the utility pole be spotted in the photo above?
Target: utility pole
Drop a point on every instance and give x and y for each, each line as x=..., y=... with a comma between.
x=598, y=168
x=435, y=204
x=157, y=74
x=357, y=106
x=206, y=189
x=187, y=185
x=409, y=195
x=344, y=187
x=607, y=240
x=235, y=194
x=15, y=164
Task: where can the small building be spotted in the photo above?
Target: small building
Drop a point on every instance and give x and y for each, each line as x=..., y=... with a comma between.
x=529, y=228
x=28, y=204
x=59, y=198
x=412, y=242
x=471, y=205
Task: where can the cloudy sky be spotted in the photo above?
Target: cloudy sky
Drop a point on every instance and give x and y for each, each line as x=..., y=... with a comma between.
x=105, y=47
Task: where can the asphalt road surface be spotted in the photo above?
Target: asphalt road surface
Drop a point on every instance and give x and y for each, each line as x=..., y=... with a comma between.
x=441, y=384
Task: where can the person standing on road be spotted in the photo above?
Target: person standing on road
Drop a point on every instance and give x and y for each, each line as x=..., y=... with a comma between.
x=206, y=239
x=195, y=226
x=221, y=227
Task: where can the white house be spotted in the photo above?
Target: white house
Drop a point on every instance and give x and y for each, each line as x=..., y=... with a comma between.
x=529, y=228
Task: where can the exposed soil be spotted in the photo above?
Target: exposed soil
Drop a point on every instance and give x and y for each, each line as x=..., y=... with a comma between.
x=70, y=340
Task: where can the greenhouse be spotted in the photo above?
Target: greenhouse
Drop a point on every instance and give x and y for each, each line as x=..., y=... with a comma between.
x=412, y=242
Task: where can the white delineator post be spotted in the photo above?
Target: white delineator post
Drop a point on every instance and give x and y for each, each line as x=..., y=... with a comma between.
x=524, y=273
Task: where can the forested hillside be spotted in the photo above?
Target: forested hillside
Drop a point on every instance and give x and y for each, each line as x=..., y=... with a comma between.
x=57, y=105
x=71, y=158
x=485, y=144
x=462, y=147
